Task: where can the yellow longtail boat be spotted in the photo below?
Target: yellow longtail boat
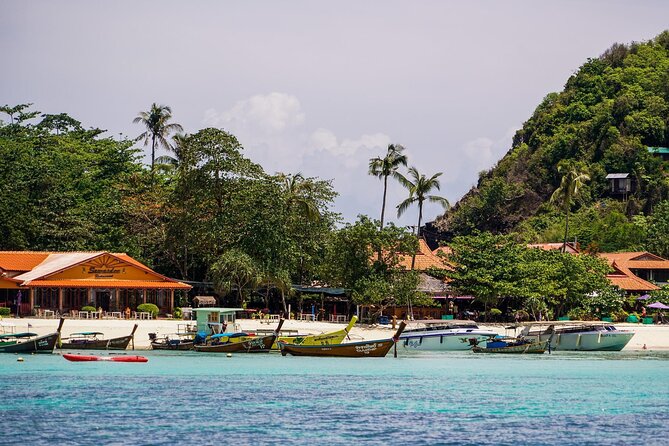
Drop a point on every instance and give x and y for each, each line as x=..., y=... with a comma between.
x=333, y=337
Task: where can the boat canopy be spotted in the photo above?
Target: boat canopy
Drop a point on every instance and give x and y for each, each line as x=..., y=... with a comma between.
x=87, y=333
x=18, y=335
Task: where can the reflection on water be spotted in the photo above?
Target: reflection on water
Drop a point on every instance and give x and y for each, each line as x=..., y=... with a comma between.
x=446, y=398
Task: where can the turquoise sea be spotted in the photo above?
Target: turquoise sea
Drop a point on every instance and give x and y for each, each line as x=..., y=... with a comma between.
x=450, y=398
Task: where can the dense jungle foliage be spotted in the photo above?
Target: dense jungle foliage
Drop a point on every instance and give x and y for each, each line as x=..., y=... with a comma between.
x=604, y=121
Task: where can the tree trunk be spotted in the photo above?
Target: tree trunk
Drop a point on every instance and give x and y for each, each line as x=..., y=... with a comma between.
x=153, y=152
x=566, y=231
x=420, y=218
x=283, y=301
x=383, y=206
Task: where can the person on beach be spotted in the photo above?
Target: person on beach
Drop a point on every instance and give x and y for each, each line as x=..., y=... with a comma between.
x=643, y=312
x=127, y=312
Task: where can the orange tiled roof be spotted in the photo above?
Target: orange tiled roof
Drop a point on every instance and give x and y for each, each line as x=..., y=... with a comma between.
x=443, y=250
x=425, y=259
x=21, y=260
x=628, y=283
x=623, y=276
x=641, y=260
x=110, y=283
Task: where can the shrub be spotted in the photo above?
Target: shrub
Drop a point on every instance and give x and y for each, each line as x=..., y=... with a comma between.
x=178, y=314
x=577, y=314
x=4, y=311
x=495, y=313
x=148, y=308
x=89, y=308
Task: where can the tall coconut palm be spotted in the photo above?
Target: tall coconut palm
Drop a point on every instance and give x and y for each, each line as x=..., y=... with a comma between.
x=385, y=167
x=419, y=190
x=570, y=185
x=158, y=128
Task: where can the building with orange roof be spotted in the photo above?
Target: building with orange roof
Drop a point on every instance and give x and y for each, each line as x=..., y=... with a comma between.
x=634, y=271
x=67, y=281
x=425, y=259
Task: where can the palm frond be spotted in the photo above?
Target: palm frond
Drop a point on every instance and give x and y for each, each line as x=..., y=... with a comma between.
x=403, y=206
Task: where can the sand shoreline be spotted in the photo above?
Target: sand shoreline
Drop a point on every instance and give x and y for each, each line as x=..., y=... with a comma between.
x=653, y=337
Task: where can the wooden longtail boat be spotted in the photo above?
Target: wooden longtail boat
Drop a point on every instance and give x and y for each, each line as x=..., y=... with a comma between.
x=370, y=349
x=333, y=337
x=31, y=343
x=89, y=340
x=512, y=345
x=89, y=358
x=256, y=344
x=179, y=342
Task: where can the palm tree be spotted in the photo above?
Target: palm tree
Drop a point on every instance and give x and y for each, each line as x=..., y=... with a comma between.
x=387, y=166
x=419, y=189
x=570, y=185
x=171, y=162
x=297, y=189
x=158, y=128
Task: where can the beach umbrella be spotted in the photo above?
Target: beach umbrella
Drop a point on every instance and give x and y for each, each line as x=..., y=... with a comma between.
x=658, y=306
x=644, y=297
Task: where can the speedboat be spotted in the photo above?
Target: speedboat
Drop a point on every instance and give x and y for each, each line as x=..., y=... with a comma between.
x=442, y=335
x=579, y=335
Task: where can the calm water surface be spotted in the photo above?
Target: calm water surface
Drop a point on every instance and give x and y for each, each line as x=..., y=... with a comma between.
x=451, y=398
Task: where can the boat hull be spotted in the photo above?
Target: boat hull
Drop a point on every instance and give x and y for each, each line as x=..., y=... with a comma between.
x=372, y=349
x=120, y=343
x=40, y=344
x=90, y=358
x=590, y=341
x=254, y=345
x=534, y=347
x=442, y=342
x=171, y=345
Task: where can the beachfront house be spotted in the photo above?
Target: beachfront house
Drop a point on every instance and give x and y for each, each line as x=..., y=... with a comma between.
x=637, y=272
x=51, y=283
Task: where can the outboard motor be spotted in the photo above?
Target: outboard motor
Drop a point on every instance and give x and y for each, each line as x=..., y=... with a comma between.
x=152, y=337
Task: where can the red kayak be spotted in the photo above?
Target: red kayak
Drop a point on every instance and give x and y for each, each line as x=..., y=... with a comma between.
x=80, y=358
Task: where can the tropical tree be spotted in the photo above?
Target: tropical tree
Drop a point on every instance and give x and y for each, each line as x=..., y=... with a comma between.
x=297, y=189
x=385, y=167
x=158, y=128
x=419, y=190
x=235, y=269
x=570, y=185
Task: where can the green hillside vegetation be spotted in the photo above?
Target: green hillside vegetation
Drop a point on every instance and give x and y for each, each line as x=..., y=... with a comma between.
x=609, y=113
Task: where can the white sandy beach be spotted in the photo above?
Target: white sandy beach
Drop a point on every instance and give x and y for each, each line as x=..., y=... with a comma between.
x=654, y=337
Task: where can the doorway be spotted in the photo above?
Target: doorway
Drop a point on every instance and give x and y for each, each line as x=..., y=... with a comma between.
x=103, y=299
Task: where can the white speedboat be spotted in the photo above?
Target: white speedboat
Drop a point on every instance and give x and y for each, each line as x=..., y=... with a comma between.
x=579, y=335
x=443, y=335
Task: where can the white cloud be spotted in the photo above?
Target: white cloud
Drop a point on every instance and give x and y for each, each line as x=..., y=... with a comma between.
x=273, y=130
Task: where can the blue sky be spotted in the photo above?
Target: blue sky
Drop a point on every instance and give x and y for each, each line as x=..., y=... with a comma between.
x=318, y=87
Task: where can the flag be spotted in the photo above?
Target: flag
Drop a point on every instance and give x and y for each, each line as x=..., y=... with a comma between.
x=30, y=325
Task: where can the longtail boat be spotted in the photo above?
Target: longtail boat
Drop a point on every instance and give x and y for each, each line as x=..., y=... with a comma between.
x=176, y=342
x=30, y=342
x=89, y=358
x=89, y=340
x=369, y=349
x=332, y=337
x=511, y=345
x=253, y=344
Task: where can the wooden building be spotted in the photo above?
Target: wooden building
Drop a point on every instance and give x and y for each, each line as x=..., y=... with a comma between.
x=68, y=281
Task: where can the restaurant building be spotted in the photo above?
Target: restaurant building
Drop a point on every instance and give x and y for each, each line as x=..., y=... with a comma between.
x=68, y=281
